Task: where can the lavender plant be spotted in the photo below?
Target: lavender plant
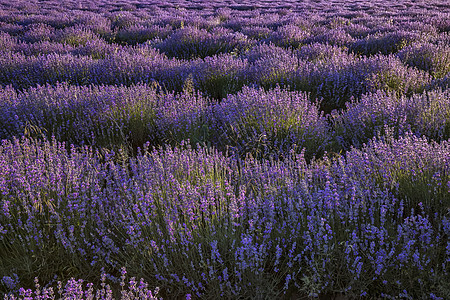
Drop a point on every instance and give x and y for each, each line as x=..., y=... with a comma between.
x=75, y=36
x=387, y=43
x=271, y=65
x=288, y=36
x=272, y=122
x=335, y=37
x=12, y=29
x=7, y=42
x=190, y=42
x=317, y=52
x=138, y=34
x=102, y=116
x=22, y=71
x=218, y=75
x=42, y=48
x=75, y=289
x=256, y=32
x=424, y=114
x=432, y=58
x=337, y=80
x=38, y=32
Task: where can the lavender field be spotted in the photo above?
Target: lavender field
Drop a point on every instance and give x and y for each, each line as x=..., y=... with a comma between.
x=224, y=149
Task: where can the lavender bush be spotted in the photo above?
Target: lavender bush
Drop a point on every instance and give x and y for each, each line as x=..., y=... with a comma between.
x=190, y=42
x=79, y=289
x=138, y=34
x=271, y=122
x=288, y=36
x=424, y=114
x=218, y=75
x=432, y=58
x=338, y=79
x=387, y=43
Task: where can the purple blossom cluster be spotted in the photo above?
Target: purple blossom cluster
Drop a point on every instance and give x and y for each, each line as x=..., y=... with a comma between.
x=78, y=289
x=224, y=149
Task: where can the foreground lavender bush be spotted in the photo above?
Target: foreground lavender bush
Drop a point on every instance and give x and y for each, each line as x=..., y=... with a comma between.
x=375, y=223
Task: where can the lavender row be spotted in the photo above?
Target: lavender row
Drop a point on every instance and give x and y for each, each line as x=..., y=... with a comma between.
x=374, y=223
x=187, y=35
x=182, y=40
x=256, y=121
x=104, y=18
x=381, y=7
x=109, y=116
x=333, y=77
